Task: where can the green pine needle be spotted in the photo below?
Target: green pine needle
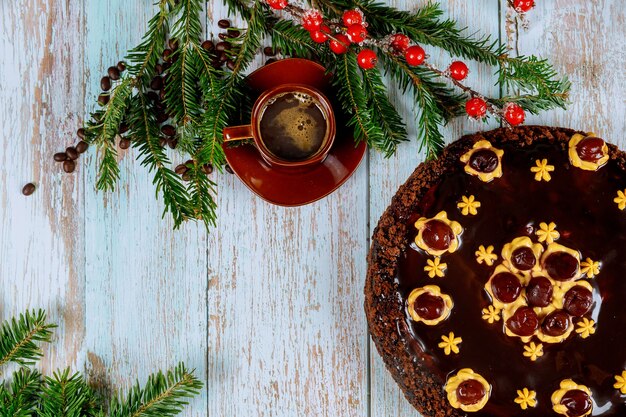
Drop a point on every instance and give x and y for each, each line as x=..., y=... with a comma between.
x=21, y=397
x=164, y=395
x=18, y=337
x=65, y=395
x=292, y=39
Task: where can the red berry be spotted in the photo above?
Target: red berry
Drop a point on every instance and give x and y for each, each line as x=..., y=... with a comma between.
x=476, y=107
x=415, y=55
x=277, y=4
x=356, y=33
x=522, y=6
x=320, y=36
x=514, y=114
x=367, y=59
x=312, y=20
x=400, y=42
x=458, y=70
x=352, y=17
x=340, y=44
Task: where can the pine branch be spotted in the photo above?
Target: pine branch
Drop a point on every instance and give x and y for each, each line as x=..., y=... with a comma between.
x=65, y=395
x=385, y=114
x=18, y=337
x=164, y=395
x=22, y=396
x=292, y=39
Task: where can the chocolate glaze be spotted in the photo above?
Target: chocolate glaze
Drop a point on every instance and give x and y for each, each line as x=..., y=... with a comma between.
x=581, y=204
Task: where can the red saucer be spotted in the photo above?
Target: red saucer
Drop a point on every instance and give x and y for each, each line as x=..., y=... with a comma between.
x=296, y=189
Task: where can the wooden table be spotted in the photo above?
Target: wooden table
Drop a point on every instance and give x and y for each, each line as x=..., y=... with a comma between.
x=268, y=307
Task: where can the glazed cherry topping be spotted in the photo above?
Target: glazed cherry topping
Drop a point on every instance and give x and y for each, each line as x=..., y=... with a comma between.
x=590, y=149
x=524, y=322
x=437, y=235
x=577, y=403
x=539, y=292
x=470, y=392
x=561, y=266
x=555, y=323
x=506, y=287
x=578, y=301
x=428, y=306
x=484, y=160
x=523, y=258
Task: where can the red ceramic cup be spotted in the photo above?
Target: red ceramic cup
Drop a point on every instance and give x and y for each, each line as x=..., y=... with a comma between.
x=235, y=133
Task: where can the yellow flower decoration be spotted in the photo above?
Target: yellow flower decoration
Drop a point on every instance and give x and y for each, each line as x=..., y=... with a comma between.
x=435, y=267
x=533, y=351
x=621, y=199
x=485, y=255
x=526, y=398
x=586, y=327
x=450, y=343
x=547, y=232
x=620, y=382
x=491, y=314
x=468, y=205
x=589, y=267
x=542, y=170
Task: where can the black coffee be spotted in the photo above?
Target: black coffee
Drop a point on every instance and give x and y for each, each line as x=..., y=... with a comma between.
x=293, y=126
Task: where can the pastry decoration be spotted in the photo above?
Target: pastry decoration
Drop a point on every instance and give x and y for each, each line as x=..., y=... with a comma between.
x=468, y=390
x=533, y=351
x=468, y=205
x=483, y=161
x=547, y=232
x=586, y=327
x=491, y=314
x=526, y=398
x=620, y=199
x=435, y=268
x=522, y=255
x=572, y=399
x=542, y=170
x=590, y=268
x=588, y=152
x=438, y=235
x=429, y=305
x=620, y=382
x=450, y=343
x=486, y=255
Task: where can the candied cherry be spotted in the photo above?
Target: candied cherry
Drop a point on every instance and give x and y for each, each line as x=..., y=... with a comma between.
x=470, y=392
x=539, y=292
x=524, y=322
x=578, y=301
x=484, y=160
x=577, y=403
x=590, y=149
x=556, y=323
x=523, y=258
x=561, y=266
x=437, y=235
x=429, y=306
x=506, y=287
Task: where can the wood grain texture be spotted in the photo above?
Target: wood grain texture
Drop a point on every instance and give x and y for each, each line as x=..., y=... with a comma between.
x=268, y=307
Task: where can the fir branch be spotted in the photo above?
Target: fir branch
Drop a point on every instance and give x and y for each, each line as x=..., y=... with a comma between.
x=353, y=100
x=65, y=395
x=18, y=337
x=385, y=114
x=21, y=399
x=292, y=39
x=144, y=136
x=164, y=395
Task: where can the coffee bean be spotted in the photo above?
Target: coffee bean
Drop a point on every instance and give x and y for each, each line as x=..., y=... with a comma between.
x=162, y=142
x=269, y=51
x=168, y=130
x=123, y=128
x=270, y=61
x=233, y=33
x=208, y=45
x=103, y=99
x=124, y=143
x=28, y=189
x=162, y=94
x=223, y=23
x=152, y=96
x=207, y=168
x=114, y=73
x=69, y=166
x=167, y=55
x=223, y=46
x=161, y=117
x=60, y=156
x=230, y=64
x=222, y=36
x=222, y=57
x=82, y=146
x=81, y=133
x=105, y=83
x=173, y=44
x=228, y=169
x=180, y=169
x=189, y=163
x=186, y=176
x=173, y=143
x=156, y=83
x=71, y=153
x=121, y=66
x=166, y=66
x=159, y=69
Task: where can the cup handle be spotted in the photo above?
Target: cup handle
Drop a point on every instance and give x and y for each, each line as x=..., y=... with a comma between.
x=234, y=133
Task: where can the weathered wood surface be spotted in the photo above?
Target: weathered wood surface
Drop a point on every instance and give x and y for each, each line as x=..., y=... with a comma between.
x=267, y=308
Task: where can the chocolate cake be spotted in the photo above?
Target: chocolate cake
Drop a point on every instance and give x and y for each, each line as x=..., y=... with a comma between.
x=497, y=277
